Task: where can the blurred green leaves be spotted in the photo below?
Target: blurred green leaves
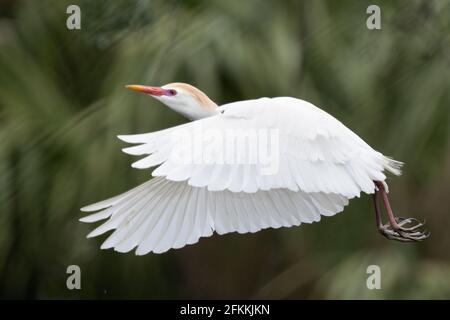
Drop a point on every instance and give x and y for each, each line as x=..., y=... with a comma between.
x=62, y=103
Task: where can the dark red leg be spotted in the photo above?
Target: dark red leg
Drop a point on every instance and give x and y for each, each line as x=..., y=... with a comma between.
x=378, y=220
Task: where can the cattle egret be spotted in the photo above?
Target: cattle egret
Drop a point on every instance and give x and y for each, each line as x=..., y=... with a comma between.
x=318, y=164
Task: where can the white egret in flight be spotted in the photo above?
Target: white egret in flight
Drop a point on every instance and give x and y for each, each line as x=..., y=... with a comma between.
x=204, y=185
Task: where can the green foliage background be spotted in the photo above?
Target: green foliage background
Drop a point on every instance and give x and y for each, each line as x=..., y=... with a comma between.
x=62, y=103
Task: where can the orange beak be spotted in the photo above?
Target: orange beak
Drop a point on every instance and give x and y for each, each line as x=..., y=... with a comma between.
x=154, y=91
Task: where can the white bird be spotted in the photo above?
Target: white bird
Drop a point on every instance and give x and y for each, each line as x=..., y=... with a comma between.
x=203, y=185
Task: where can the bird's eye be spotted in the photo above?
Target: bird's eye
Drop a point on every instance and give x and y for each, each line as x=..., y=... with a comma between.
x=172, y=92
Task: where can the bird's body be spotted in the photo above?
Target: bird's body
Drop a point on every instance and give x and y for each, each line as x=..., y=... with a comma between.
x=295, y=163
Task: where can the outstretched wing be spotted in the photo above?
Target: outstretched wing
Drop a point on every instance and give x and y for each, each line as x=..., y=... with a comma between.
x=161, y=214
x=261, y=145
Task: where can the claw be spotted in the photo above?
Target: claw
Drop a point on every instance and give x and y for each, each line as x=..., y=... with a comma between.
x=415, y=236
x=401, y=221
x=404, y=234
x=391, y=235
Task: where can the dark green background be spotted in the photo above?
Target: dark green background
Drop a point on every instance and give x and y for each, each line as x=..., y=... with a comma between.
x=62, y=102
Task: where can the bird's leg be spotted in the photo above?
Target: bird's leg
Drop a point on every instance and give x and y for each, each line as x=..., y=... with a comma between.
x=378, y=220
x=396, y=228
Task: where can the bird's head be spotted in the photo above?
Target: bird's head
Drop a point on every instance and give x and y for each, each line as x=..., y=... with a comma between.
x=182, y=98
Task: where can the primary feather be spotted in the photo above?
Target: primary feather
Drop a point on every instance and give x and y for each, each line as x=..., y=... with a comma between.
x=163, y=214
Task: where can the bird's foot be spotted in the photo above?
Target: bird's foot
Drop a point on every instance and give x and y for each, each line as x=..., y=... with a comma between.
x=406, y=230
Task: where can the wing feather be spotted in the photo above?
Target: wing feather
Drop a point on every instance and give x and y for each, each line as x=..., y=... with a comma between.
x=166, y=214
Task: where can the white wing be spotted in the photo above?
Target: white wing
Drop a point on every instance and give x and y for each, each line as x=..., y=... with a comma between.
x=161, y=214
x=314, y=152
